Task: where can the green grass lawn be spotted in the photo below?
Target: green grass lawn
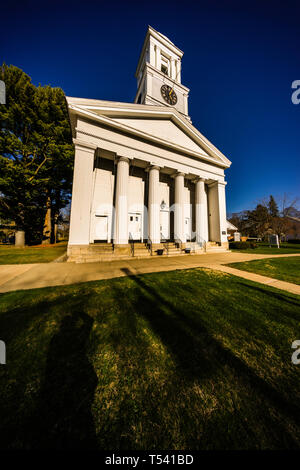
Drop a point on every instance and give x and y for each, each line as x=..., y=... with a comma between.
x=286, y=269
x=264, y=249
x=190, y=359
x=31, y=254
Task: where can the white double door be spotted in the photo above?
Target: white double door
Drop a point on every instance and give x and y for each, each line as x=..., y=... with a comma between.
x=135, y=226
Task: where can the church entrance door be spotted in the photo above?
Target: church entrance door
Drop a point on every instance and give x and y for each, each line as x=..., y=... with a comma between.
x=135, y=226
x=101, y=228
x=187, y=228
x=164, y=225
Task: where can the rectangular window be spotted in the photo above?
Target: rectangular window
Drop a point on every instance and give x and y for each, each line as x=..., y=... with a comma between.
x=165, y=65
x=164, y=69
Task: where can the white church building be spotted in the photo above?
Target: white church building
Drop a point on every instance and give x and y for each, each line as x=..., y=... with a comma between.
x=146, y=181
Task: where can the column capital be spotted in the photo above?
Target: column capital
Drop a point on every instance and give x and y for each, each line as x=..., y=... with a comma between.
x=198, y=179
x=217, y=182
x=177, y=173
x=152, y=166
x=123, y=159
x=83, y=145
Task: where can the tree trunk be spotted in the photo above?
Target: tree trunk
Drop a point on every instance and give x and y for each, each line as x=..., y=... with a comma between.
x=20, y=238
x=47, y=224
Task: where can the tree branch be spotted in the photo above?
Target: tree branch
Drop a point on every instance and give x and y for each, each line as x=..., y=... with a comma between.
x=38, y=169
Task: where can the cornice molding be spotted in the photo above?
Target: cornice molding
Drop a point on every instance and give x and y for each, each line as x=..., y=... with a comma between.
x=166, y=78
x=150, y=155
x=86, y=146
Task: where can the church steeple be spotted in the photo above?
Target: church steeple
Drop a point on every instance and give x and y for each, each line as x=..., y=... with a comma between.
x=159, y=74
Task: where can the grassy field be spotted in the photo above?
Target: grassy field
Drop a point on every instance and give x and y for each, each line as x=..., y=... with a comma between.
x=264, y=249
x=286, y=269
x=190, y=359
x=31, y=254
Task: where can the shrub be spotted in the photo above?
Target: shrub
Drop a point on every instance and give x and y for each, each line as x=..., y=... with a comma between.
x=241, y=245
x=294, y=240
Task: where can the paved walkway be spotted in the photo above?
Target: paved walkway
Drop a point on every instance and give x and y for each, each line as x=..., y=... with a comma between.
x=29, y=276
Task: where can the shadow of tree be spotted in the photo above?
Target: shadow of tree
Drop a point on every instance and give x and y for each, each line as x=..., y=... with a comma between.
x=62, y=418
x=135, y=390
x=283, y=297
x=200, y=355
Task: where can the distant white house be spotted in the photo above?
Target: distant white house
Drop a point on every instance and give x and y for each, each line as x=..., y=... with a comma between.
x=143, y=173
x=231, y=228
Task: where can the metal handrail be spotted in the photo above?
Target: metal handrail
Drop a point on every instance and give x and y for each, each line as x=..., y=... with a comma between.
x=164, y=240
x=149, y=245
x=202, y=243
x=179, y=241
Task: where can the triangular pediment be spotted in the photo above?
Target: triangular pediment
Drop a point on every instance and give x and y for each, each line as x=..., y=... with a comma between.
x=163, y=125
x=163, y=129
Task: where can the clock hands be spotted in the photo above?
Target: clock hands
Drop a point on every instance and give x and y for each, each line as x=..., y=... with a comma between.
x=169, y=94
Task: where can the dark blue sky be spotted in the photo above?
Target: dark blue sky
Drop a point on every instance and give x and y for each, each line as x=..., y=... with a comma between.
x=240, y=59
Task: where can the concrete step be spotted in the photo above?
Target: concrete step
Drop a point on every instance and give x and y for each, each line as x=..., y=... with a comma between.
x=141, y=251
x=194, y=247
x=96, y=249
x=216, y=250
x=97, y=259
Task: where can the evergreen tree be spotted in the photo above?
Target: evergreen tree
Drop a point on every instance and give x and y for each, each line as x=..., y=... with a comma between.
x=259, y=221
x=22, y=195
x=273, y=207
x=36, y=155
x=54, y=143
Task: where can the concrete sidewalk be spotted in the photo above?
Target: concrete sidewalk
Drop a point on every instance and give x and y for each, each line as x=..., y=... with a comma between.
x=30, y=276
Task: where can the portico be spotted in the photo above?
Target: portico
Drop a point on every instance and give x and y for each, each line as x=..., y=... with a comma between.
x=144, y=177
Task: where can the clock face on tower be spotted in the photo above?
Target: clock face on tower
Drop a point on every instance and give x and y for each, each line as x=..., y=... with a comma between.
x=168, y=94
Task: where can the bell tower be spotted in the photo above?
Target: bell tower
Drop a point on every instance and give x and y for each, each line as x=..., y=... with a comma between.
x=159, y=74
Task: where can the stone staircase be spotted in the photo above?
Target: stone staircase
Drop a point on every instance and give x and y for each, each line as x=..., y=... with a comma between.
x=141, y=250
x=195, y=248
x=105, y=252
x=169, y=249
x=214, y=247
x=95, y=253
x=172, y=249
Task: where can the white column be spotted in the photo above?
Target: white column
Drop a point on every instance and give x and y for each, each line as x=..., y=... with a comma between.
x=178, y=73
x=217, y=212
x=172, y=68
x=154, y=205
x=185, y=103
x=179, y=233
x=152, y=54
x=201, y=211
x=157, y=58
x=121, y=204
x=82, y=191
